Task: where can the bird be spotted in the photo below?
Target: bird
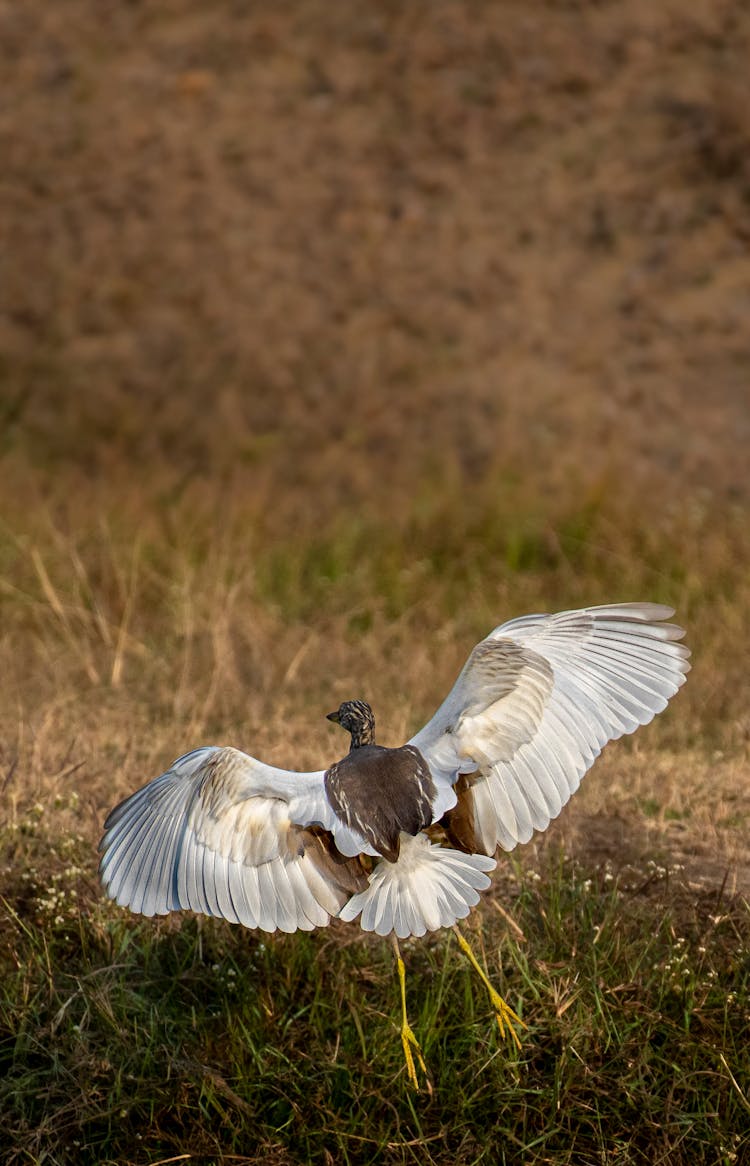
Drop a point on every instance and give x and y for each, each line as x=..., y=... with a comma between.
x=402, y=840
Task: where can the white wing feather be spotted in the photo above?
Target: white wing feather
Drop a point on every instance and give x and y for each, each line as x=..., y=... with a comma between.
x=215, y=834
x=537, y=701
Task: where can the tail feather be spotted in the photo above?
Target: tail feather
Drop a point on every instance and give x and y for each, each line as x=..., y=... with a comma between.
x=429, y=887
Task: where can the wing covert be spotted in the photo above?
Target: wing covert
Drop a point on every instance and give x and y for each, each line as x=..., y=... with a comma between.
x=534, y=706
x=223, y=834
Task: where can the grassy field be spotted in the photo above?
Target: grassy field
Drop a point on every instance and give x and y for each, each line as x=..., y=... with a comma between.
x=621, y=937
x=327, y=343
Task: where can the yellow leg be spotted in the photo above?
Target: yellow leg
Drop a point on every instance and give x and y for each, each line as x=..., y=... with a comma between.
x=506, y=1017
x=408, y=1039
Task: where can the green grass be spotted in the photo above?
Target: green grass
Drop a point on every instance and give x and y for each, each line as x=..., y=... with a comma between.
x=140, y=1040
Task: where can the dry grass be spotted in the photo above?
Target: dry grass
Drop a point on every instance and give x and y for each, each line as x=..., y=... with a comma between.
x=328, y=340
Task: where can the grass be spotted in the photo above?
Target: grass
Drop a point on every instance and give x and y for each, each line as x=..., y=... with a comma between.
x=127, y=1040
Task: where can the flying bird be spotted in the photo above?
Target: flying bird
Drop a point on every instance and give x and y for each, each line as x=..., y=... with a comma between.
x=402, y=840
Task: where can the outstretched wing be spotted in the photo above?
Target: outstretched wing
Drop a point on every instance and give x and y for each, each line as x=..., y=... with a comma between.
x=533, y=707
x=223, y=834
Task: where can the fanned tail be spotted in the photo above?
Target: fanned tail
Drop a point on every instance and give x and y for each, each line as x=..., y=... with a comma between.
x=429, y=887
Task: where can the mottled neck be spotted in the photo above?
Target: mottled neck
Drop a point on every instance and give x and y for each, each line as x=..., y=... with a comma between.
x=362, y=735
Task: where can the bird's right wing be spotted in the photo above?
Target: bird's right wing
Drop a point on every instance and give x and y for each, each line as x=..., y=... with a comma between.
x=534, y=705
x=224, y=834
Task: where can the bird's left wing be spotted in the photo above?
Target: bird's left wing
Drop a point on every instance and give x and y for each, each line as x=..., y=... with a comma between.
x=224, y=834
x=534, y=705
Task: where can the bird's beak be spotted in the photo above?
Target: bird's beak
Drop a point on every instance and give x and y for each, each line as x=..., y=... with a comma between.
x=333, y=716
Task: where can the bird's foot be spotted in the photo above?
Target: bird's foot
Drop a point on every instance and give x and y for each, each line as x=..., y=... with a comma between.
x=506, y=1017
x=409, y=1041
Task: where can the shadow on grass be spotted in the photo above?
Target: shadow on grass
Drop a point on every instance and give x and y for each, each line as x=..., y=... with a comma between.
x=141, y=1040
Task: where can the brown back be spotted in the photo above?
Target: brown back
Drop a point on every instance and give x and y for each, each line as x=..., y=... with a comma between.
x=381, y=792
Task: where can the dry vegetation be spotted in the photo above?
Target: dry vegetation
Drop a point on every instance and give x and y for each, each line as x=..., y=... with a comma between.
x=330, y=336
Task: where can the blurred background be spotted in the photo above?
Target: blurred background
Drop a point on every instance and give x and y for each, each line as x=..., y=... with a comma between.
x=333, y=335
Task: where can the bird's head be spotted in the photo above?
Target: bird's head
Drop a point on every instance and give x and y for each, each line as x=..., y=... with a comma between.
x=356, y=716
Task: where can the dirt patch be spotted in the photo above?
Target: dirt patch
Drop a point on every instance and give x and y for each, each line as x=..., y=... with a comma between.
x=643, y=857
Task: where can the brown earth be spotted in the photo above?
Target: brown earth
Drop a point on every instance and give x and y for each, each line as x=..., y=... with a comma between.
x=334, y=244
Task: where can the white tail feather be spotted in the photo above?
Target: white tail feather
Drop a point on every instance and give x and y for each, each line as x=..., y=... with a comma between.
x=429, y=887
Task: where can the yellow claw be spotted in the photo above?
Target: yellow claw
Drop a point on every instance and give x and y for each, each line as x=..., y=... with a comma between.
x=506, y=1017
x=408, y=1039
